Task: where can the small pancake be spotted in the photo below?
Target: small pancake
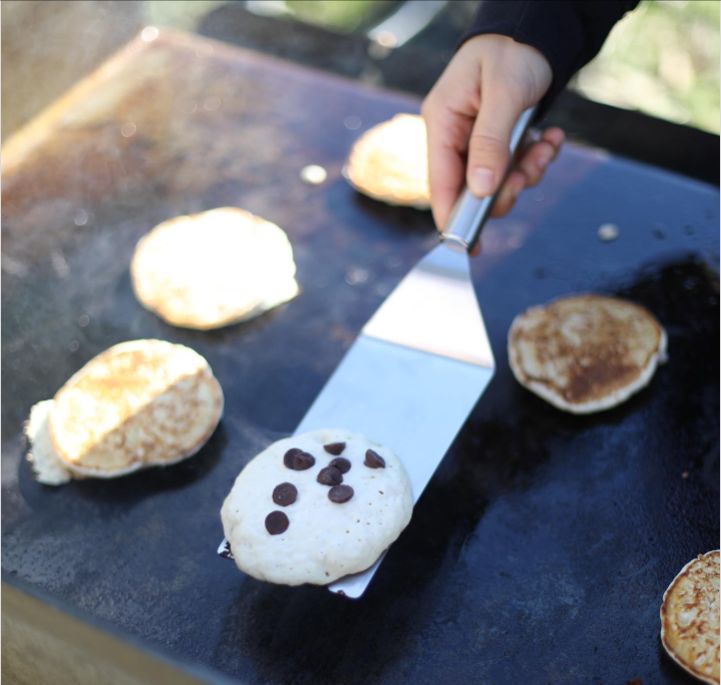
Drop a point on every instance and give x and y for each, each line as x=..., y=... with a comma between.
x=585, y=353
x=213, y=269
x=140, y=403
x=389, y=162
x=690, y=618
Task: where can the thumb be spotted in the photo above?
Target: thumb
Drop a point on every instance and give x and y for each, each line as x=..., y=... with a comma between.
x=488, y=154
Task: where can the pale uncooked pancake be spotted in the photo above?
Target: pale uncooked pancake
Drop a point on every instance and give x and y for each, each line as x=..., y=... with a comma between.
x=140, y=403
x=585, y=353
x=212, y=269
x=316, y=507
x=690, y=617
x=49, y=469
x=389, y=162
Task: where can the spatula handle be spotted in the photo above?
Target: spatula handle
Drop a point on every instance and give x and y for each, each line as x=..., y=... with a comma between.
x=470, y=213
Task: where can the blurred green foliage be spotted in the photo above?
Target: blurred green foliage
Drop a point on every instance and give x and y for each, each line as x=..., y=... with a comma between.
x=341, y=15
x=662, y=59
x=178, y=14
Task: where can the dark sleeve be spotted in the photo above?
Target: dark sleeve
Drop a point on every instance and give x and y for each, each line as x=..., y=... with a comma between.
x=569, y=33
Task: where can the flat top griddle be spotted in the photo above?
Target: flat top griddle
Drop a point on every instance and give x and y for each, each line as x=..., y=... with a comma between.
x=540, y=550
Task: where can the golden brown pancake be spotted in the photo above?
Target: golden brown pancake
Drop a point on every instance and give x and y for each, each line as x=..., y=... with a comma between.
x=213, y=269
x=690, y=618
x=389, y=162
x=585, y=353
x=140, y=403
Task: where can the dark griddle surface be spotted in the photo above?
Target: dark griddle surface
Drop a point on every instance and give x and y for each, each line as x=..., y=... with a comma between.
x=541, y=548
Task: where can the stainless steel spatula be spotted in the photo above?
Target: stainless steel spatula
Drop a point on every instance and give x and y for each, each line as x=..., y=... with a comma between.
x=420, y=364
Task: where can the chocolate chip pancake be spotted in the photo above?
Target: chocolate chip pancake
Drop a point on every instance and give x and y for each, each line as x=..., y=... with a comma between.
x=315, y=507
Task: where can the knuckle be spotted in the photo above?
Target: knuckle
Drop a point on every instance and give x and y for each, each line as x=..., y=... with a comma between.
x=485, y=141
x=488, y=146
x=531, y=173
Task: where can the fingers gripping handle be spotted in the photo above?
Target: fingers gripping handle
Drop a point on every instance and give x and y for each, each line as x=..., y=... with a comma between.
x=470, y=213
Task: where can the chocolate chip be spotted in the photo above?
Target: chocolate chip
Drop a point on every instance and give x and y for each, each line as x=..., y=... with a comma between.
x=340, y=493
x=285, y=494
x=374, y=460
x=276, y=522
x=343, y=465
x=298, y=460
x=330, y=475
x=335, y=448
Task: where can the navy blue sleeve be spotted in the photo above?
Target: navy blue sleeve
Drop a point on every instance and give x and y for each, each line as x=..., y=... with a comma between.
x=568, y=33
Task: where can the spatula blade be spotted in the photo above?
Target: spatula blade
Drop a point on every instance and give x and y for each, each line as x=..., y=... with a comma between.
x=413, y=376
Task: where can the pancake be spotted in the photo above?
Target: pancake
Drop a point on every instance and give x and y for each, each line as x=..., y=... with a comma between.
x=213, y=269
x=585, y=353
x=690, y=618
x=389, y=162
x=315, y=507
x=140, y=403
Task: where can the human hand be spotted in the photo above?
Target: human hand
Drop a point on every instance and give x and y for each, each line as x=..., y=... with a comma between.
x=470, y=113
